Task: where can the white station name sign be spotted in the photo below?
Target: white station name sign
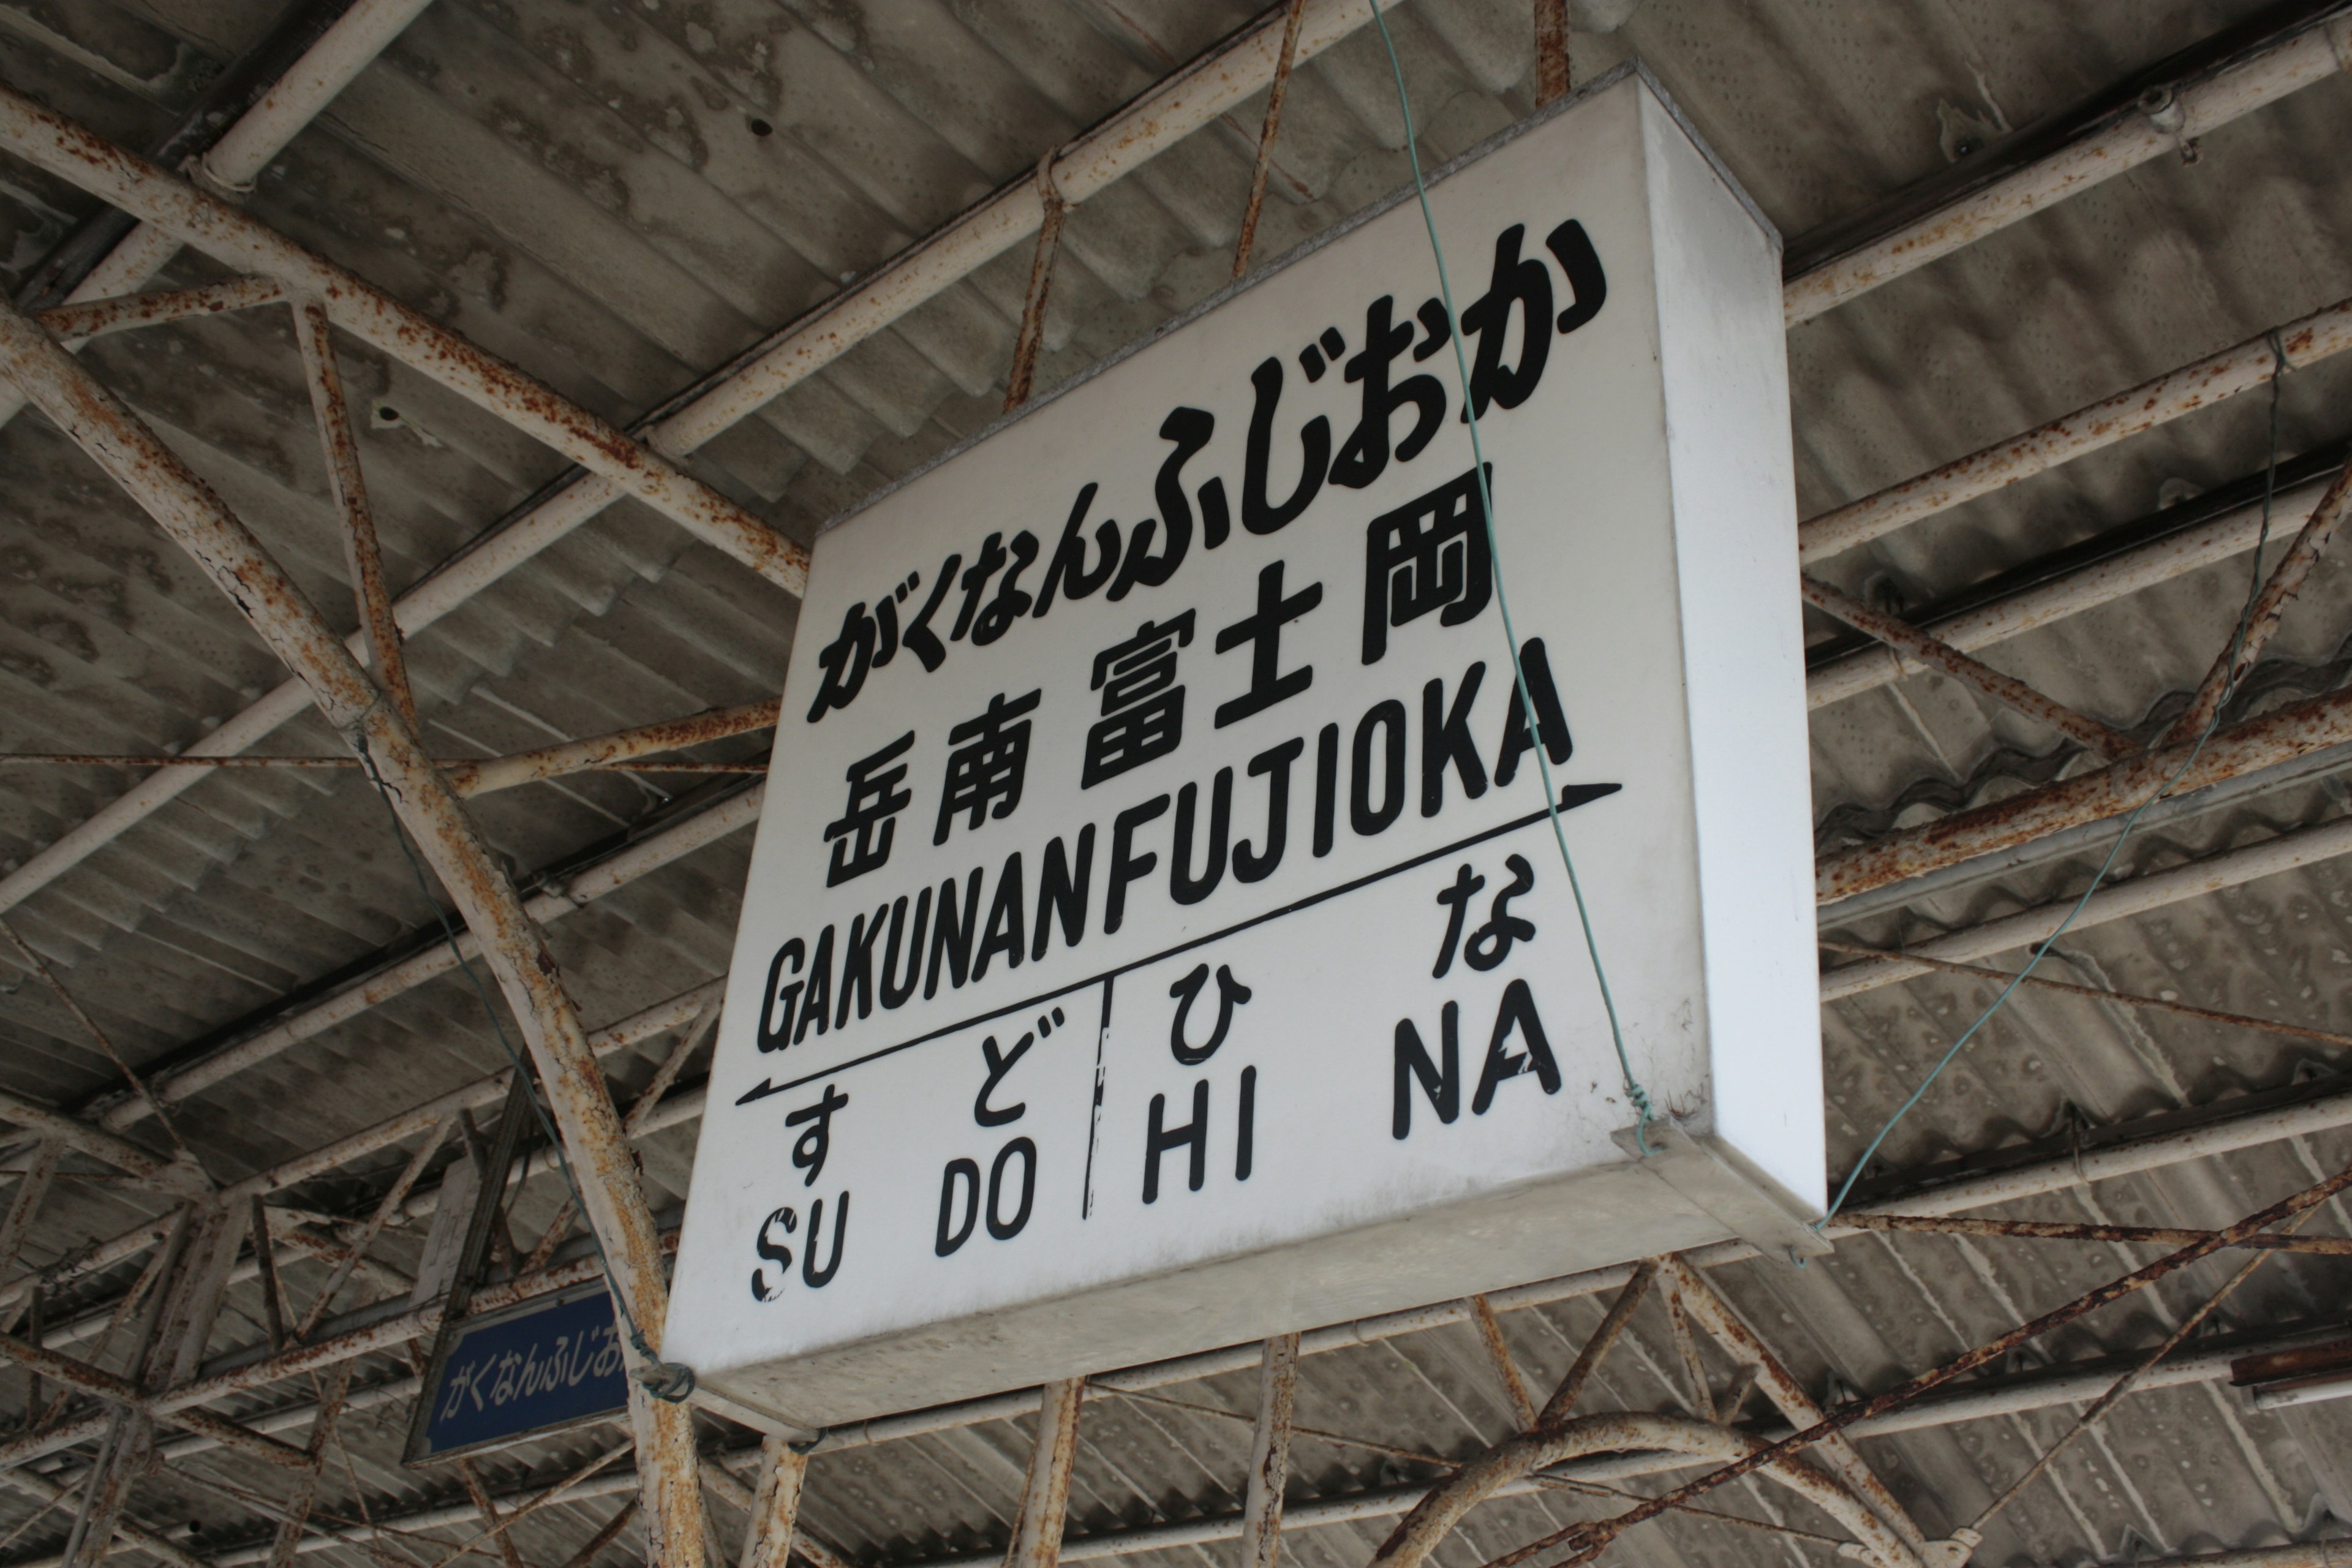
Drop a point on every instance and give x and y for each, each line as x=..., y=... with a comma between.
x=1156, y=938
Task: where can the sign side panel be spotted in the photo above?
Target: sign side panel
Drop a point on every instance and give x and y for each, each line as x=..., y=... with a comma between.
x=1725, y=359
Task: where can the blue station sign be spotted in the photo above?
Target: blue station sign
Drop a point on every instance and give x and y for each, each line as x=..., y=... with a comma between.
x=523, y=1371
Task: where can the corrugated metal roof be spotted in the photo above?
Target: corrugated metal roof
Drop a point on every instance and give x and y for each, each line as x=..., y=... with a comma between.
x=620, y=194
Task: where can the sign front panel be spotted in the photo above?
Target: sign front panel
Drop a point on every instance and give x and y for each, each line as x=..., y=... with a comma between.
x=534, y=1368
x=1155, y=865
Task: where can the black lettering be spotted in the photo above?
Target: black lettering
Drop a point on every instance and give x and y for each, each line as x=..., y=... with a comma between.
x=1061, y=892
x=1191, y=428
x=898, y=993
x=1182, y=886
x=1456, y=900
x=773, y=1251
x=1387, y=718
x=1518, y=1010
x=975, y=582
x=1258, y=865
x=1006, y=1229
x=920, y=640
x=1245, y=1138
x=1445, y=738
x=1491, y=944
x=858, y=965
x=1588, y=286
x=1126, y=866
x=1519, y=290
x=1442, y=1084
x=815, y=1277
x=818, y=1000
x=1260, y=515
x=777, y=1038
x=1552, y=718
x=1231, y=993
x=1326, y=786
x=1008, y=920
x=999, y=1064
x=949, y=1239
x=1158, y=1139
x=1067, y=571
x=1011, y=603
x=951, y=938
x=1364, y=456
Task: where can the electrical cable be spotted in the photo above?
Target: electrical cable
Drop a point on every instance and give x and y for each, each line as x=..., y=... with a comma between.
x=2040, y=950
x=669, y=1381
x=1634, y=1090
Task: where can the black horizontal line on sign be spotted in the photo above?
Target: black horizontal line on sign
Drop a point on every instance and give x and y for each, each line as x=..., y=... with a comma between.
x=1571, y=797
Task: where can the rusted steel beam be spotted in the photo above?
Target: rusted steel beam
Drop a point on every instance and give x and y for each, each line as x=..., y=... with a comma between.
x=1697, y=1396
x=2112, y=791
x=124, y=760
x=97, y=318
x=158, y=1171
x=76, y=155
x=1269, y=1464
x=106, y=1385
x=362, y=555
x=389, y=1206
x=2067, y=988
x=503, y=1521
x=2210, y=379
x=605, y=1536
x=1507, y=1370
x=619, y=749
x=187, y=510
x=154, y=1545
x=775, y=1506
x=1707, y=1306
x=24, y=1207
x=641, y=859
x=1592, y=1539
x=1563, y=1399
x=510, y=1554
x=1275, y=92
x=1046, y=1494
x=2006, y=690
x=2262, y=621
x=1551, y=51
x=1434, y=1518
x=1031, y=338
x=2055, y=1230
x=2165, y=120
x=338, y=1383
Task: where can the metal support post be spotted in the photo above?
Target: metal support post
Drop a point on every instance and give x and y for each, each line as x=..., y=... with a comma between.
x=775, y=1507
x=1507, y=1371
x=1046, y=1497
x=1269, y=1472
x=526, y=971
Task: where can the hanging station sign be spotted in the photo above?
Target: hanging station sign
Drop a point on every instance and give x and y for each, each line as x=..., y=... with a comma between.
x=1155, y=937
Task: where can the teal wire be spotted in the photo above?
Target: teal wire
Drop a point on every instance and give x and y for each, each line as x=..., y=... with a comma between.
x=2041, y=948
x=1634, y=1090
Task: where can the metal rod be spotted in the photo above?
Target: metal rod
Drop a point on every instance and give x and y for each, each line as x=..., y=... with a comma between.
x=384, y=1210
x=2287, y=580
x=1180, y=103
x=1552, y=76
x=1045, y=1495
x=1556, y=1409
x=362, y=555
x=1507, y=1371
x=2045, y=603
x=1592, y=1539
x=2110, y=792
x=2163, y=123
x=2216, y=377
x=2138, y=1235
x=1031, y=336
x=1275, y=92
x=306, y=1486
x=72, y=153
x=516, y=952
x=95, y=318
x=2005, y=689
x=1269, y=1462
x=775, y=1507
x=2127, y=998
